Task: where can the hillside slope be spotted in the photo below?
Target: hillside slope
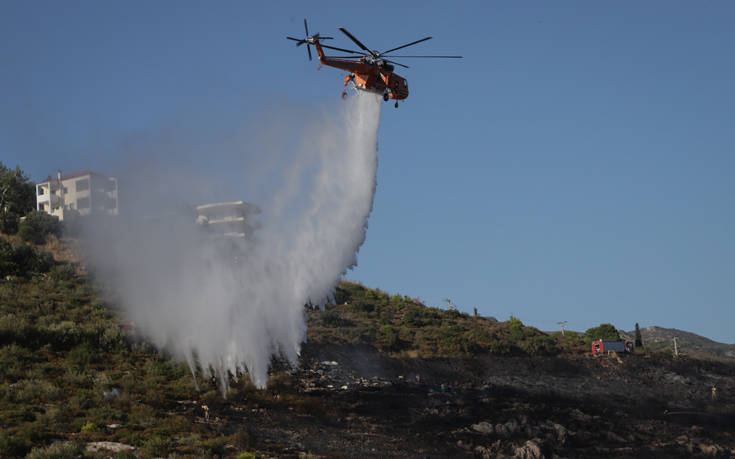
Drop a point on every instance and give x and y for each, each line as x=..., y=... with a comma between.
x=691, y=344
x=380, y=375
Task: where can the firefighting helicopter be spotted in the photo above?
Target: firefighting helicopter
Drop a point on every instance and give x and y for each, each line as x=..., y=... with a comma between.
x=367, y=70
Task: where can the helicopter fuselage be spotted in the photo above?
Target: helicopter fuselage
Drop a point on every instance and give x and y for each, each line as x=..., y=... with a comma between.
x=377, y=76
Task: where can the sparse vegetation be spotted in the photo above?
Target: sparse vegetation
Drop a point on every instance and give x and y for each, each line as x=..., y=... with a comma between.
x=403, y=326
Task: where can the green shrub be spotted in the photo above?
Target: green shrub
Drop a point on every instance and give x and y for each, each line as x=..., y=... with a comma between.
x=37, y=226
x=540, y=344
x=65, y=450
x=157, y=446
x=83, y=355
x=331, y=318
x=421, y=317
x=387, y=337
x=89, y=427
x=61, y=273
x=22, y=260
x=13, y=444
x=362, y=306
x=516, y=329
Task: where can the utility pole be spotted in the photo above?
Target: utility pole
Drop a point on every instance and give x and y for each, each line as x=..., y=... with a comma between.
x=562, y=324
x=676, y=349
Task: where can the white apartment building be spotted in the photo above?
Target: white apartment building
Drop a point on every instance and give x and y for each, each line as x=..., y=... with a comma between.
x=81, y=193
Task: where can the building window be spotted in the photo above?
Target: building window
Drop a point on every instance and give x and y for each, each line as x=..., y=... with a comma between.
x=64, y=190
x=40, y=191
x=82, y=184
x=83, y=203
x=41, y=207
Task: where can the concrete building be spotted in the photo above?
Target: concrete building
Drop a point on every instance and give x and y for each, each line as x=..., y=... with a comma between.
x=78, y=194
x=228, y=218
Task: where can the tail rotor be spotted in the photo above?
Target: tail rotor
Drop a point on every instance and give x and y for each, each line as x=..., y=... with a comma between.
x=308, y=39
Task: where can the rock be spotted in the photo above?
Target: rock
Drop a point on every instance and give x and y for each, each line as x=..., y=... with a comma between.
x=580, y=416
x=111, y=394
x=561, y=433
x=530, y=450
x=483, y=427
x=711, y=450
x=512, y=427
x=485, y=453
x=113, y=446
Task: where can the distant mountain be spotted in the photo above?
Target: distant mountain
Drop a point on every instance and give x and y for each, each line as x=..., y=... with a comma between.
x=691, y=344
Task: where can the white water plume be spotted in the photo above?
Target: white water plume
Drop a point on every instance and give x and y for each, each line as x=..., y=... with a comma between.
x=229, y=306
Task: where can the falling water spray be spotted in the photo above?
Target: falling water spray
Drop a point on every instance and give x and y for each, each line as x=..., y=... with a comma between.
x=228, y=307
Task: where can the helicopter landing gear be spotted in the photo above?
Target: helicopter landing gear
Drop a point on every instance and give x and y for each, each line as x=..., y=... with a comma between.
x=386, y=96
x=396, y=105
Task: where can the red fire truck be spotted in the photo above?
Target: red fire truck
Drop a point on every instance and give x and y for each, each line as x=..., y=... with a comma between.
x=604, y=346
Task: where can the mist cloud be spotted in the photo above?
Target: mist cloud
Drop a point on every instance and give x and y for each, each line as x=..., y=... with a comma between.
x=229, y=304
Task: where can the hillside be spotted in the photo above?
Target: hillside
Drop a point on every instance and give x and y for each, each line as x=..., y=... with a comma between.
x=661, y=339
x=380, y=375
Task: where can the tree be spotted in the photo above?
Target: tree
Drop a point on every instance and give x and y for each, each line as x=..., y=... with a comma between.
x=17, y=197
x=602, y=331
x=638, y=338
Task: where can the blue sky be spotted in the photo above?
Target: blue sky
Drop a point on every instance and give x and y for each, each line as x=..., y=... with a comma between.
x=577, y=165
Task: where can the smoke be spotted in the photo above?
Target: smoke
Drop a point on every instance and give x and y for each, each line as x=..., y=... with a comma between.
x=230, y=304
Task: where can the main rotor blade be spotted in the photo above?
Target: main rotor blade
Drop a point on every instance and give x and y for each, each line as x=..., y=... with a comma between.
x=396, y=63
x=432, y=57
x=409, y=44
x=298, y=40
x=308, y=48
x=357, y=42
x=341, y=49
x=306, y=27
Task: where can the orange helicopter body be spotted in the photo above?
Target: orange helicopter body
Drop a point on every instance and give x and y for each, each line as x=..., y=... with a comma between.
x=368, y=70
x=368, y=77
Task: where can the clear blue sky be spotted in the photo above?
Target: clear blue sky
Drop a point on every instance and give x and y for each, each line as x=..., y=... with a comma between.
x=577, y=165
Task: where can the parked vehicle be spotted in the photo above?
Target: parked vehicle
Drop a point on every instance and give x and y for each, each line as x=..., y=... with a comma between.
x=604, y=346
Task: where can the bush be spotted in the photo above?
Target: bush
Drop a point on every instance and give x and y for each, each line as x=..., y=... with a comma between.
x=332, y=319
x=22, y=260
x=37, y=226
x=387, y=337
x=69, y=449
x=60, y=273
x=82, y=356
x=362, y=306
x=13, y=445
x=157, y=446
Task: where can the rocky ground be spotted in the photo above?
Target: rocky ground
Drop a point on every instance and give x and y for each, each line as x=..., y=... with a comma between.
x=354, y=401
